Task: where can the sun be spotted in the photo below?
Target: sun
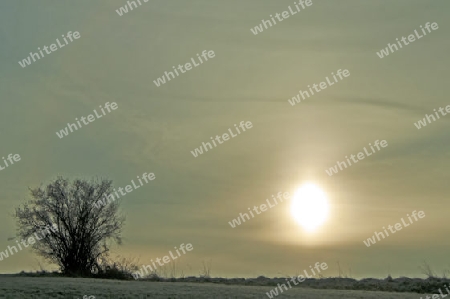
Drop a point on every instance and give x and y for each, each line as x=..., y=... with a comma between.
x=310, y=207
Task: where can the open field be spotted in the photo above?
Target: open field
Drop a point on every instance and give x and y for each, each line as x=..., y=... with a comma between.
x=46, y=287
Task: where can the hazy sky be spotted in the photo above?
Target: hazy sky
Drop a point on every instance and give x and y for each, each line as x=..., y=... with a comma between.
x=250, y=78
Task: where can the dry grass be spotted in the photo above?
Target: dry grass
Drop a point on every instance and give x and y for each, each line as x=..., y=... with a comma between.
x=60, y=287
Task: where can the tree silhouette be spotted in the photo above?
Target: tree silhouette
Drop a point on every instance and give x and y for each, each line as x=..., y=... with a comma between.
x=80, y=233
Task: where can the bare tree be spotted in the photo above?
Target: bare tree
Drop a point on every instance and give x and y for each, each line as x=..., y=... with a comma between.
x=426, y=269
x=81, y=233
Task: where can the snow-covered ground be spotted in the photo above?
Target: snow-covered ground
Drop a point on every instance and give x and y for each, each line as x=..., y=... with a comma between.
x=48, y=287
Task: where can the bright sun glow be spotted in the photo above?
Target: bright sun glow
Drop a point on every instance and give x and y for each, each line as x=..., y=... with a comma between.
x=309, y=206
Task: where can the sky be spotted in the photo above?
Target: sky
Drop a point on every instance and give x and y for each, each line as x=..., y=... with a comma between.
x=250, y=78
